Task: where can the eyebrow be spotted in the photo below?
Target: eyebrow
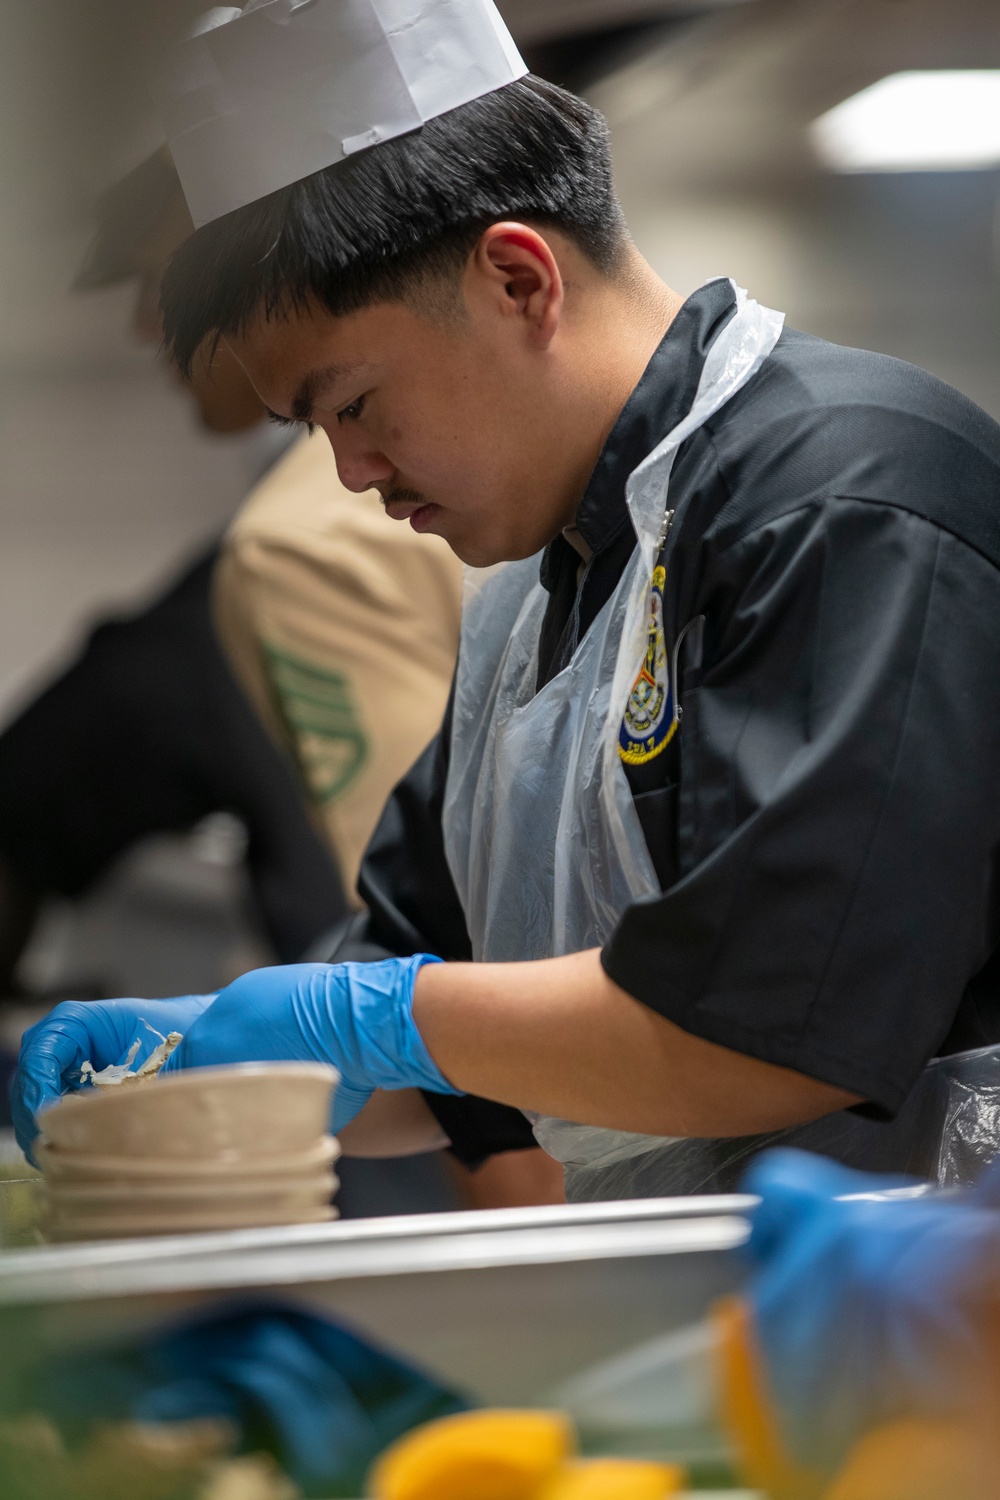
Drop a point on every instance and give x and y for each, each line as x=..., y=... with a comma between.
x=311, y=385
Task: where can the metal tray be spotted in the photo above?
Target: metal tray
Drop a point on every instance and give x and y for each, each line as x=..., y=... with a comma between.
x=503, y=1304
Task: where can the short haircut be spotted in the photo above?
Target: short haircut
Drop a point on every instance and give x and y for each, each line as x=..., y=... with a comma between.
x=375, y=227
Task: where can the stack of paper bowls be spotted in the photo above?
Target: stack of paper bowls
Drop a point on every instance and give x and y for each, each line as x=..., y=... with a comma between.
x=212, y=1148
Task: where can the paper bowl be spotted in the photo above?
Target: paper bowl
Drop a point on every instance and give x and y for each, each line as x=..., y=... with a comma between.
x=74, y=1166
x=314, y=1187
x=131, y=1226
x=201, y=1114
x=300, y=1201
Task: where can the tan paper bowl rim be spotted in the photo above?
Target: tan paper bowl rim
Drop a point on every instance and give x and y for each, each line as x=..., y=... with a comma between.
x=60, y=1166
x=93, y=1098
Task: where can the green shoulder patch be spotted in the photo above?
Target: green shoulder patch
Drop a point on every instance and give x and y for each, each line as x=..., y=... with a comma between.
x=318, y=709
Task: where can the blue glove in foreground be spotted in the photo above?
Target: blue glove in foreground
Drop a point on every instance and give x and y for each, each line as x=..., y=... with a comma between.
x=359, y=1017
x=98, y=1031
x=865, y=1311
x=324, y=1401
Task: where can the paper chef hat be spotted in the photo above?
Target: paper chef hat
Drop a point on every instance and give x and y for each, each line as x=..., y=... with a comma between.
x=269, y=94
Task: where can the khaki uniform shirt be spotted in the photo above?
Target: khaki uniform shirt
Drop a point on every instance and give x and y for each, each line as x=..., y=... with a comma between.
x=342, y=627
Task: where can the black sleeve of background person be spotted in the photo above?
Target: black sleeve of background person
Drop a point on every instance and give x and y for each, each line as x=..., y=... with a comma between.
x=838, y=817
x=147, y=732
x=413, y=907
x=405, y=883
x=479, y=1128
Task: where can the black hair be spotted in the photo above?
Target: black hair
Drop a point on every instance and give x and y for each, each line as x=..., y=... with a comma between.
x=375, y=227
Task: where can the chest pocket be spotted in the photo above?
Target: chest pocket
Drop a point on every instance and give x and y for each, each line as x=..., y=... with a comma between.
x=657, y=813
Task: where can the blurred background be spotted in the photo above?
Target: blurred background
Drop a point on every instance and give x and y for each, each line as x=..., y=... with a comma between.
x=107, y=484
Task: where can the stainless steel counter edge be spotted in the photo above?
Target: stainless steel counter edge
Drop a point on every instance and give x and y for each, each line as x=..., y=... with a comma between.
x=290, y=1257
x=404, y=1226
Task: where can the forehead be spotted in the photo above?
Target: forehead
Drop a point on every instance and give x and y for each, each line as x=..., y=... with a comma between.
x=292, y=349
x=293, y=340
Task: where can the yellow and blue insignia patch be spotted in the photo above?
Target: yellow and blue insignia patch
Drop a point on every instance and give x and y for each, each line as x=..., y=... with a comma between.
x=649, y=722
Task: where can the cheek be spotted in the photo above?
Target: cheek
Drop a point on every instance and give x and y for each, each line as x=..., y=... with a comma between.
x=444, y=429
x=428, y=439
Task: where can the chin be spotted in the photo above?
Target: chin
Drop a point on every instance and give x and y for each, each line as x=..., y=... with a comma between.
x=476, y=554
x=479, y=544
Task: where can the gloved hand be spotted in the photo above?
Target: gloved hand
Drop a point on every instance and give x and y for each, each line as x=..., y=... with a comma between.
x=324, y=1401
x=357, y=1016
x=101, y=1032
x=865, y=1309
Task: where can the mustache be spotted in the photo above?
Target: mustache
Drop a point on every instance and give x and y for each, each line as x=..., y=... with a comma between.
x=405, y=497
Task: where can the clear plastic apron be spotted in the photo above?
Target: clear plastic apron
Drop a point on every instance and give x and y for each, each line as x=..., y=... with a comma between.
x=541, y=833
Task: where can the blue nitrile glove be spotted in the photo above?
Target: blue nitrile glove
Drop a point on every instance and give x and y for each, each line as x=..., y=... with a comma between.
x=864, y=1311
x=359, y=1017
x=323, y=1400
x=101, y=1032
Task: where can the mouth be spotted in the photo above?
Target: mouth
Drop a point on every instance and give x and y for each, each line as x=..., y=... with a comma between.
x=420, y=514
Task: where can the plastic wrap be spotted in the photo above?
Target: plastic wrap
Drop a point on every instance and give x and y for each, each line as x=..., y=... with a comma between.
x=965, y=1095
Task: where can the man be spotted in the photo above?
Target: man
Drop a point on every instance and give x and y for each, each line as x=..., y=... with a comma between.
x=340, y=628
x=714, y=928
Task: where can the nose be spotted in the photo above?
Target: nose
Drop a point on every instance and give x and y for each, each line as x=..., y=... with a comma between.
x=360, y=466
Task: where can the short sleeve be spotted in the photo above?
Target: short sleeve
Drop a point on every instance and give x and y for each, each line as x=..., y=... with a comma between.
x=343, y=627
x=838, y=812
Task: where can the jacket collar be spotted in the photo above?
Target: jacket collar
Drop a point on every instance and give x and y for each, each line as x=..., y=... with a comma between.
x=663, y=395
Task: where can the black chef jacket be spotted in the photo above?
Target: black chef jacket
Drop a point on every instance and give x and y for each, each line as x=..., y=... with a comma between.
x=826, y=824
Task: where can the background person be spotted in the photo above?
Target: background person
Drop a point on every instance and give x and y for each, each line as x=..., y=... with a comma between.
x=342, y=631
x=147, y=730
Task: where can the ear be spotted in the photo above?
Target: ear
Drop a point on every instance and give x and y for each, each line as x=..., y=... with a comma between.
x=521, y=274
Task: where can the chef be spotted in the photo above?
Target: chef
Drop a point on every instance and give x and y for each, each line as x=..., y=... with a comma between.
x=708, y=839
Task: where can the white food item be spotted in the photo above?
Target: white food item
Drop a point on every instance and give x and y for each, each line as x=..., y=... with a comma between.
x=118, y=1073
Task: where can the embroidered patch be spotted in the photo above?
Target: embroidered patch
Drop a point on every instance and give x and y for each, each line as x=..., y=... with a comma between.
x=649, y=721
x=318, y=708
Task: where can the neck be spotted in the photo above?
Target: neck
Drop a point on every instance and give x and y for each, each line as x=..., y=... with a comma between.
x=625, y=323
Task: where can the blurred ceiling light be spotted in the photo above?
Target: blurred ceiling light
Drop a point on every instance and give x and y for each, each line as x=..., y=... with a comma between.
x=938, y=121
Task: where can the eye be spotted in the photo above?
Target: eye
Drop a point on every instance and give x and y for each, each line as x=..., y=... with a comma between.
x=352, y=413
x=272, y=416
